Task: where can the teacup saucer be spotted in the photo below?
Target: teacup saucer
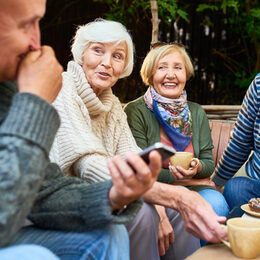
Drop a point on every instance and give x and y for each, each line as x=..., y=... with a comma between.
x=247, y=209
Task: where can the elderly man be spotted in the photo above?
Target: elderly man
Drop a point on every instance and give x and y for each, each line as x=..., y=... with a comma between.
x=29, y=183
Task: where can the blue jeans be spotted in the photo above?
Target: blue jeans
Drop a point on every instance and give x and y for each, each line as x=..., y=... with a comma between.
x=216, y=200
x=239, y=191
x=108, y=242
x=25, y=252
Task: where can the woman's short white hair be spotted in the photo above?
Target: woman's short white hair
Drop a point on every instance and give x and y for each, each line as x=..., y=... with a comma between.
x=102, y=30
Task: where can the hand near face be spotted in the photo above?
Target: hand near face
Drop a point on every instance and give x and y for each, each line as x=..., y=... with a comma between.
x=127, y=184
x=199, y=217
x=40, y=74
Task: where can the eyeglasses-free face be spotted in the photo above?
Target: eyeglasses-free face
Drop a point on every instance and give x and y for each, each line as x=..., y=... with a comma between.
x=170, y=76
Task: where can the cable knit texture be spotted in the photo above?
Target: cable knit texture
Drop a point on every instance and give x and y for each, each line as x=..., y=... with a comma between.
x=92, y=130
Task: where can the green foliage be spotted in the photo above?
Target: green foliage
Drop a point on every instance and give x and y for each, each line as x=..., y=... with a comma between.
x=240, y=19
x=202, y=7
x=242, y=80
x=230, y=4
x=244, y=20
x=127, y=12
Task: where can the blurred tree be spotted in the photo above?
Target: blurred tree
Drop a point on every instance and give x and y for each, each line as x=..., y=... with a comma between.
x=221, y=36
x=243, y=18
x=155, y=21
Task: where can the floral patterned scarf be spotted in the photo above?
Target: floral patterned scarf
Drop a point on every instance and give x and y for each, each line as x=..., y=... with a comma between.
x=173, y=115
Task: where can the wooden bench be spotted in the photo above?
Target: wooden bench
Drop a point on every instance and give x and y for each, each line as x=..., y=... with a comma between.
x=220, y=133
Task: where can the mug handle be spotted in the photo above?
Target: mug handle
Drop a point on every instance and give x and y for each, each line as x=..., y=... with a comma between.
x=197, y=162
x=226, y=243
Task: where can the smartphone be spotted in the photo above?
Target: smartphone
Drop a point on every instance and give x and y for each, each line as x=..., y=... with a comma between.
x=164, y=150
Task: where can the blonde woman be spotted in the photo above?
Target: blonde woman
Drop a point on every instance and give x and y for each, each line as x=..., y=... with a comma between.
x=164, y=114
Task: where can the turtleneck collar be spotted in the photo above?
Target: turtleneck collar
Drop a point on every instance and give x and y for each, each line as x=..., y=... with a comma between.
x=95, y=104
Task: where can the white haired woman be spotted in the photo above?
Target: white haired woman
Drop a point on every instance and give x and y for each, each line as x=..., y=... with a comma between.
x=94, y=126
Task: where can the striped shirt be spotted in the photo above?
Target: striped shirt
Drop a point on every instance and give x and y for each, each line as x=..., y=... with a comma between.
x=245, y=138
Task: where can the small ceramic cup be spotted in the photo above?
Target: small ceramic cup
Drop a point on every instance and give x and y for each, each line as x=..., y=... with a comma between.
x=243, y=237
x=184, y=160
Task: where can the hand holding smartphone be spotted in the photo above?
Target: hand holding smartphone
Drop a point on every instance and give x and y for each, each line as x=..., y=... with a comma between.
x=164, y=150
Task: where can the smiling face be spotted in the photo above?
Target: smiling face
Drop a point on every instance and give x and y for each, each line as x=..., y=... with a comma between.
x=170, y=77
x=103, y=63
x=19, y=33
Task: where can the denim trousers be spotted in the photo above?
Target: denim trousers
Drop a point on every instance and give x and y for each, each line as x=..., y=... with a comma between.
x=239, y=191
x=216, y=200
x=108, y=242
x=26, y=252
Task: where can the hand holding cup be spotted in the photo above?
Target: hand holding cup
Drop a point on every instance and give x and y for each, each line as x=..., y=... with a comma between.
x=183, y=165
x=244, y=237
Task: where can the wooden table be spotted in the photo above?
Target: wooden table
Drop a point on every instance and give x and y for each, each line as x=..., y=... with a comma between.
x=214, y=252
x=217, y=251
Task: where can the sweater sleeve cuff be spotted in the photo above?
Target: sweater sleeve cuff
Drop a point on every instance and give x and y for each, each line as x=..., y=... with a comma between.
x=31, y=118
x=218, y=180
x=205, y=171
x=102, y=205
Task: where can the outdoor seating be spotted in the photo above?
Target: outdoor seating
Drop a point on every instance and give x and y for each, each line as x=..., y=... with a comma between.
x=220, y=133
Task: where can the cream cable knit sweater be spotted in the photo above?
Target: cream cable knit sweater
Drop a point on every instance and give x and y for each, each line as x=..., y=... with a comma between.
x=92, y=130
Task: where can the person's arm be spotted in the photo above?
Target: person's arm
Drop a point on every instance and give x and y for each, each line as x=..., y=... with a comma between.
x=69, y=203
x=165, y=232
x=198, y=216
x=93, y=166
x=26, y=136
x=242, y=141
x=87, y=167
x=27, y=130
x=73, y=204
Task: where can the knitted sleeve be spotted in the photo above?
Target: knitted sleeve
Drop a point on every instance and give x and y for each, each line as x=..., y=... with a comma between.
x=74, y=205
x=118, y=139
x=242, y=141
x=26, y=135
x=92, y=168
x=76, y=149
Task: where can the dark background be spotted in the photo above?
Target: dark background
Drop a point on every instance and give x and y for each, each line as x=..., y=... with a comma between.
x=222, y=53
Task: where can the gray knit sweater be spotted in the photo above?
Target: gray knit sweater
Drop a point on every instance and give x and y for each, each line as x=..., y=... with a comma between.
x=28, y=181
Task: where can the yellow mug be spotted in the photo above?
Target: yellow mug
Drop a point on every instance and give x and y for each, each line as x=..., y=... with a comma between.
x=243, y=237
x=183, y=159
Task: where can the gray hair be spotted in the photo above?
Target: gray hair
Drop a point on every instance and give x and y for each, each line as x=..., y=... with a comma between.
x=103, y=31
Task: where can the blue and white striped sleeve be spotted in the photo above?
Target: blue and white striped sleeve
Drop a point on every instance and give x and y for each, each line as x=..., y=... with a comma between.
x=242, y=141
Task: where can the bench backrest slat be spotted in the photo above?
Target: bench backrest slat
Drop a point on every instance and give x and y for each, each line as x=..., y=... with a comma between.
x=220, y=134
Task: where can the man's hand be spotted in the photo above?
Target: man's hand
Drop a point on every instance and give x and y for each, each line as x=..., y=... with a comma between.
x=199, y=217
x=127, y=184
x=40, y=74
x=165, y=232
